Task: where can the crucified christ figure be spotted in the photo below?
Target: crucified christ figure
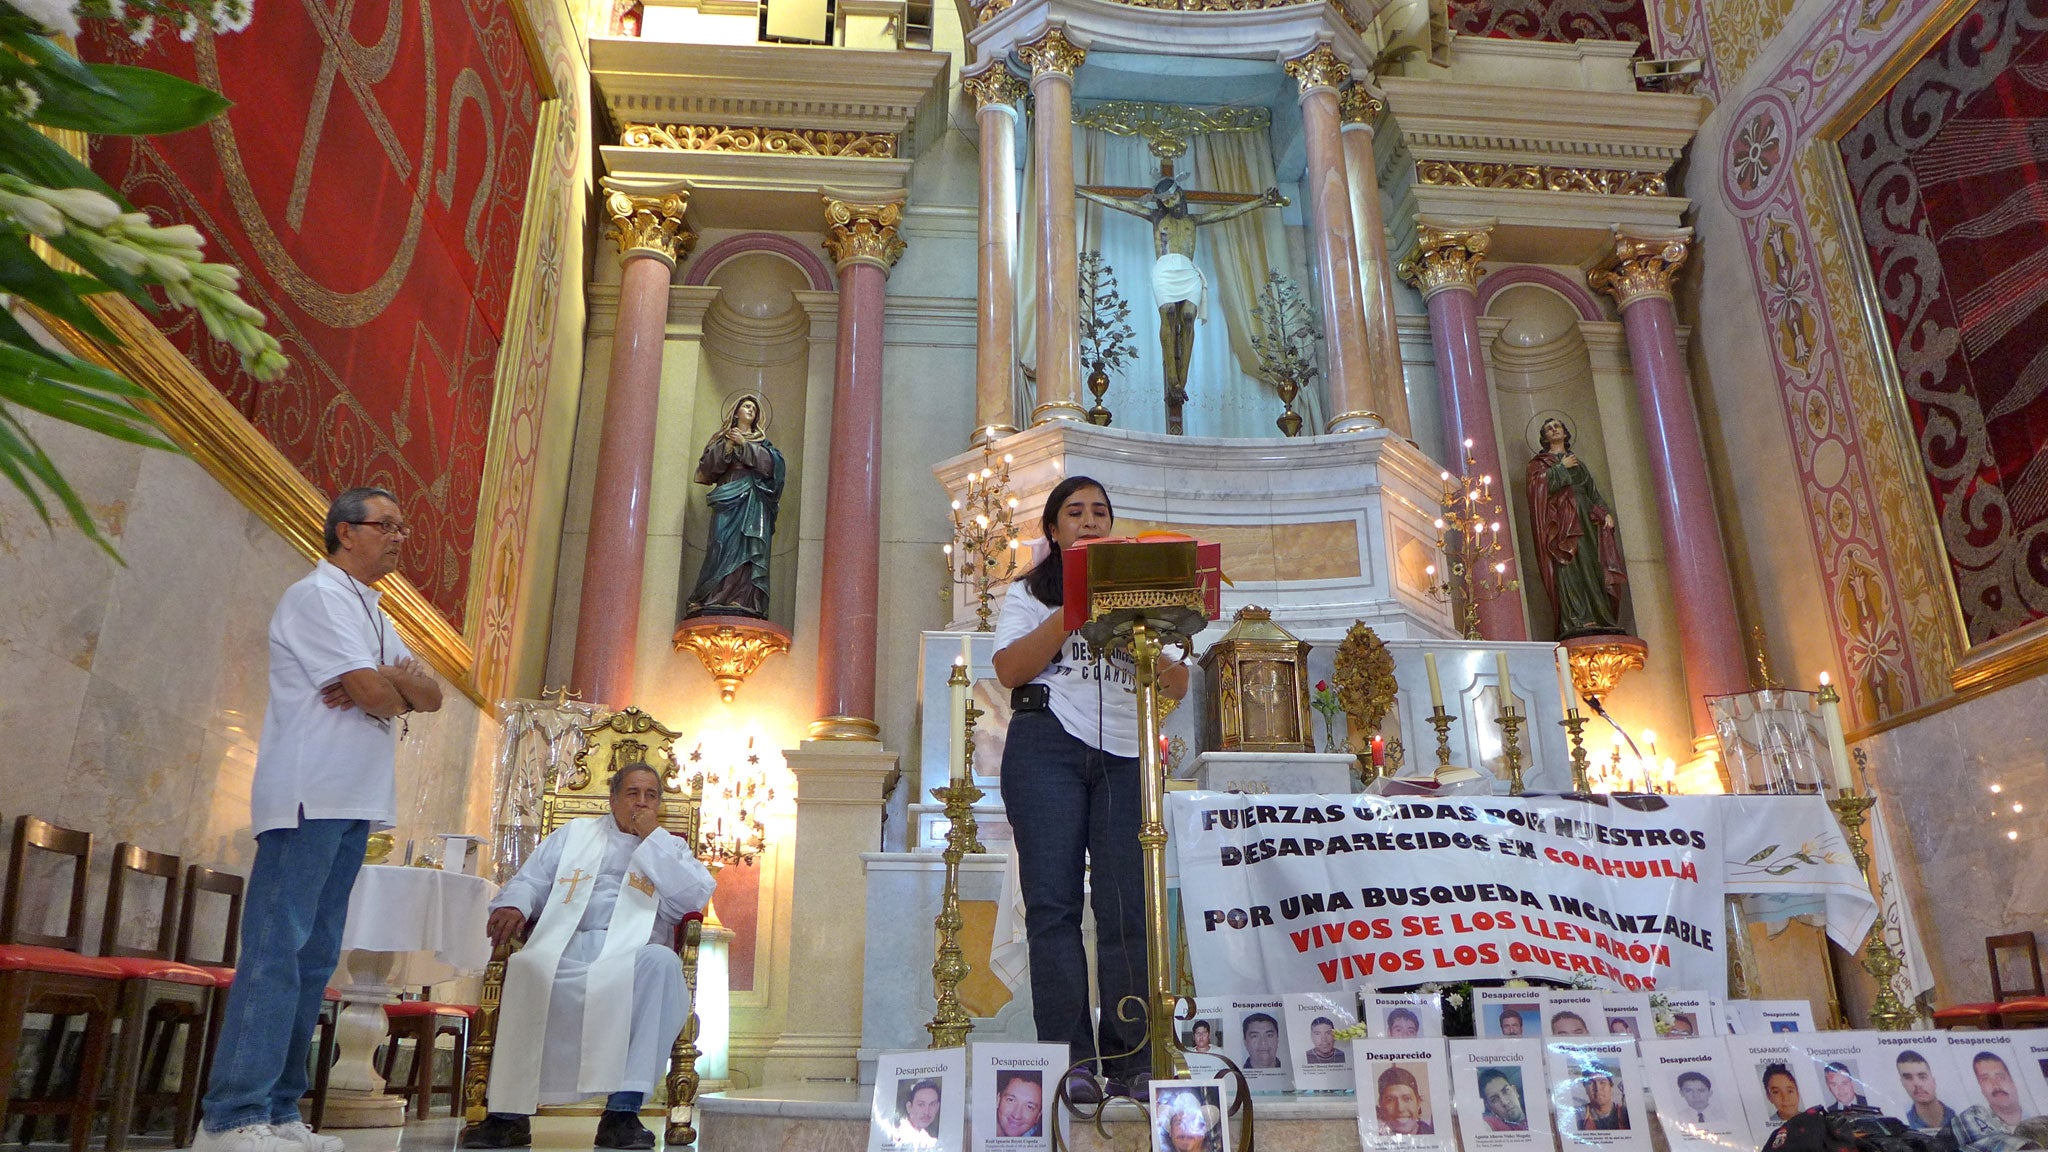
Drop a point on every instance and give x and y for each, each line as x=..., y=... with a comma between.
x=1177, y=286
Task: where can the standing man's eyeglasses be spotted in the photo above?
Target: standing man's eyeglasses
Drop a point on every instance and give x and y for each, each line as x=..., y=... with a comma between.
x=387, y=527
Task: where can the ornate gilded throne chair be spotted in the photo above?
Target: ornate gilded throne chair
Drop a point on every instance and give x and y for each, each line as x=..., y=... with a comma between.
x=621, y=739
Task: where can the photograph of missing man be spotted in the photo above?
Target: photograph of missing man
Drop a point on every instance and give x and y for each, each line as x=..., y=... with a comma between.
x=1784, y=1025
x=1322, y=1037
x=1401, y=1100
x=1261, y=1031
x=1597, y=1098
x=1568, y=1024
x=1403, y=1022
x=1696, y=1091
x=1020, y=1101
x=1511, y=1020
x=1780, y=1091
x=1916, y=1076
x=1500, y=1088
x=1203, y=1035
x=1619, y=1025
x=1684, y=1026
x=1187, y=1117
x=917, y=1107
x=2001, y=1112
x=1844, y=1086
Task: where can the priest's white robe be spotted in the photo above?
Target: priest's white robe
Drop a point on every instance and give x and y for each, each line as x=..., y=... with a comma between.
x=659, y=1008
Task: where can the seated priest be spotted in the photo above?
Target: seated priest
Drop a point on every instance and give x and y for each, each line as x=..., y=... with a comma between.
x=594, y=1001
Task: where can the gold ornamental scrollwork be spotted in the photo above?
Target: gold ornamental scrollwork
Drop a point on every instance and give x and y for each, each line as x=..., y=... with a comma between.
x=650, y=224
x=1052, y=52
x=1318, y=67
x=1599, y=662
x=1359, y=106
x=1539, y=178
x=730, y=648
x=1343, y=10
x=760, y=141
x=863, y=233
x=1167, y=128
x=994, y=84
x=1446, y=256
x=1642, y=264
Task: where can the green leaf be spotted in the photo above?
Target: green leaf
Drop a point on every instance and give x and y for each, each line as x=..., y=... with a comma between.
x=21, y=454
x=61, y=66
x=1765, y=854
x=24, y=273
x=71, y=370
x=127, y=285
x=143, y=102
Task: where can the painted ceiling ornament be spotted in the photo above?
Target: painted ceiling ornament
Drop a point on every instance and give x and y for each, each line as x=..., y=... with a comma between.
x=1758, y=152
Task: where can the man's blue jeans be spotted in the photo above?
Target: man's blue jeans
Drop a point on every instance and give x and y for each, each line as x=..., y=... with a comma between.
x=292, y=917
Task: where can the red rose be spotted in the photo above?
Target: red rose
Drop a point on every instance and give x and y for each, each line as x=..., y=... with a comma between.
x=1322, y=685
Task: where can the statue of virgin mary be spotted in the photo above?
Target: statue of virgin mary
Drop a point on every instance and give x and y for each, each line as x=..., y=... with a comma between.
x=745, y=473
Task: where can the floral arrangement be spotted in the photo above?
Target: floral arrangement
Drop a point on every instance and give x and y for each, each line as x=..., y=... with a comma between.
x=1324, y=700
x=52, y=205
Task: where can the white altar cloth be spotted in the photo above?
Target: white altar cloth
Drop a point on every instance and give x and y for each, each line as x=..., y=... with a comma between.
x=430, y=920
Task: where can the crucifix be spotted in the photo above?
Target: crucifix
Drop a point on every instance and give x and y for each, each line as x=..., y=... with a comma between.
x=573, y=880
x=1177, y=285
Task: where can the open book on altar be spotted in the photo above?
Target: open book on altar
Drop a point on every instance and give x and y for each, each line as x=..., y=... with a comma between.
x=1120, y=570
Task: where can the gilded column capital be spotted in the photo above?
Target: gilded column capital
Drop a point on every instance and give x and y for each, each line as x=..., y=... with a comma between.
x=992, y=84
x=648, y=222
x=863, y=232
x=1448, y=254
x=1358, y=104
x=1052, y=52
x=1316, y=68
x=1642, y=264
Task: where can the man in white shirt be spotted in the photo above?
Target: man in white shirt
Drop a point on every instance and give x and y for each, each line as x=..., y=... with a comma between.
x=594, y=1001
x=341, y=682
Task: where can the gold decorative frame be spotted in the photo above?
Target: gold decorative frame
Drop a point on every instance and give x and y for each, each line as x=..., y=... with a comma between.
x=201, y=421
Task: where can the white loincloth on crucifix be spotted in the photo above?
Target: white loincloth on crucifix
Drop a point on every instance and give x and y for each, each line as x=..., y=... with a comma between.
x=594, y=1001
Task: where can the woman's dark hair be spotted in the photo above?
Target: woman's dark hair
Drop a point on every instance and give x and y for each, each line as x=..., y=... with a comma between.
x=1046, y=579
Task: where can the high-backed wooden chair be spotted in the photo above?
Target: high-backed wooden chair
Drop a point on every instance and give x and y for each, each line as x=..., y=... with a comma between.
x=621, y=739
x=2021, y=1006
x=158, y=996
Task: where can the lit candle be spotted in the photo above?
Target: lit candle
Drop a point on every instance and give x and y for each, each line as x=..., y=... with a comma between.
x=1566, y=694
x=957, y=753
x=1507, y=694
x=1650, y=742
x=1838, y=747
x=1436, y=685
x=1379, y=750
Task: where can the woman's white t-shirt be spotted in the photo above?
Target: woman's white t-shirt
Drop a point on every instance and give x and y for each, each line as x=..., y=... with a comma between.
x=1096, y=702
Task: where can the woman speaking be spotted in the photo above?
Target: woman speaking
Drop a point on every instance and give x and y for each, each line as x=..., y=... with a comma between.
x=1070, y=789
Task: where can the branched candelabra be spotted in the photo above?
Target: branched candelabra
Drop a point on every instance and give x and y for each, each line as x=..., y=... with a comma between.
x=983, y=553
x=1474, y=545
x=731, y=828
x=1106, y=337
x=1284, y=334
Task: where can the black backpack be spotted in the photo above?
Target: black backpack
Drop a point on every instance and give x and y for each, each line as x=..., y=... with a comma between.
x=1852, y=1130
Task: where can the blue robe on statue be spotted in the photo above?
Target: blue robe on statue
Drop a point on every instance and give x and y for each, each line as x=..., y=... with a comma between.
x=748, y=489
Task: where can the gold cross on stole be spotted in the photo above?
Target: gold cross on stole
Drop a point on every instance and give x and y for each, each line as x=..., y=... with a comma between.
x=572, y=880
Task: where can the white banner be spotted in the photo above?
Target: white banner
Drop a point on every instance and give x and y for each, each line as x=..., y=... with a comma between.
x=1308, y=893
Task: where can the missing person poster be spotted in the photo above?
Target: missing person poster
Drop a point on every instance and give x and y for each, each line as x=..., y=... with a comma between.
x=1252, y=1037
x=1188, y=1116
x=1322, y=1063
x=1694, y=1086
x=920, y=1102
x=1840, y=1062
x=1401, y=1015
x=1567, y=1014
x=1776, y=1084
x=1202, y=1037
x=1764, y=1017
x=1012, y=1090
x=1596, y=1094
x=1933, y=1091
x=1404, y=1094
x=2032, y=1050
x=1692, y=1014
x=1627, y=1014
x=1508, y=1013
x=1998, y=1097
x=1499, y=1090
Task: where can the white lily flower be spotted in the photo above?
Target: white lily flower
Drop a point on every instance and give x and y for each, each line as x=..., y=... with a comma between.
x=179, y=236
x=59, y=16
x=90, y=208
x=34, y=215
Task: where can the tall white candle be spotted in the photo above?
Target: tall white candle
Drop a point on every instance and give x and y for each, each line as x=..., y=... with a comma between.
x=957, y=750
x=1436, y=685
x=1838, y=746
x=1507, y=693
x=1567, y=695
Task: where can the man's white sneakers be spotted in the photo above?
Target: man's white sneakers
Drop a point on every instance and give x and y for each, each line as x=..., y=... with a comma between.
x=304, y=1139
x=247, y=1138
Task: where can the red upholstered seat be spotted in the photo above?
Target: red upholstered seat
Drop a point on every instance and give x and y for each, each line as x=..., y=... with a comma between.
x=35, y=958
x=222, y=977
x=406, y=1008
x=1981, y=1015
x=330, y=995
x=1965, y=1010
x=149, y=968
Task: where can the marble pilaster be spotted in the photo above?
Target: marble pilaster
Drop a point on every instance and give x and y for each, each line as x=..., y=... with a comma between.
x=1638, y=273
x=1053, y=60
x=1445, y=268
x=1389, y=395
x=1319, y=73
x=996, y=91
x=647, y=227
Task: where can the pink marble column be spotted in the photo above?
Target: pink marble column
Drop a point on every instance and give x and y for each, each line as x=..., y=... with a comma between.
x=647, y=226
x=863, y=240
x=995, y=91
x=1331, y=233
x=1638, y=274
x=1445, y=269
x=1053, y=59
x=1388, y=392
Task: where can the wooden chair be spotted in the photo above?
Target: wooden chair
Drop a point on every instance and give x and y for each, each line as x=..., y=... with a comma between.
x=622, y=739
x=159, y=995
x=423, y=1023
x=2018, y=1007
x=46, y=973
x=218, y=962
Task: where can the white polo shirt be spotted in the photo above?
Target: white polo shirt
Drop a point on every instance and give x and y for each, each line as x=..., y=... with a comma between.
x=327, y=763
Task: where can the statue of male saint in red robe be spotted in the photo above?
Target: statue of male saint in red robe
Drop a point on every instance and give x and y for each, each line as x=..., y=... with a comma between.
x=1578, y=552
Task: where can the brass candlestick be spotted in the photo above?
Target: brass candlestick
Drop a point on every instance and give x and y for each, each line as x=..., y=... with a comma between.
x=961, y=815
x=1887, y=1012
x=983, y=552
x=1441, y=721
x=1575, y=729
x=1511, y=747
x=950, y=1024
